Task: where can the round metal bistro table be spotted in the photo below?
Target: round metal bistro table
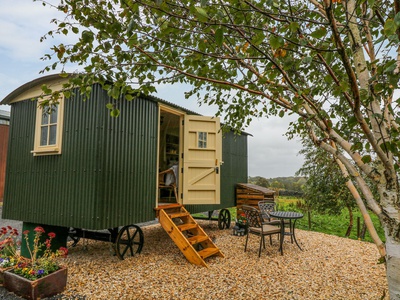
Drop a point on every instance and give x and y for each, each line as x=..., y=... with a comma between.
x=287, y=215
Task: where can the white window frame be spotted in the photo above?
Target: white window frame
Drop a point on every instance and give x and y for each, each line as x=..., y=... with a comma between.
x=54, y=149
x=202, y=137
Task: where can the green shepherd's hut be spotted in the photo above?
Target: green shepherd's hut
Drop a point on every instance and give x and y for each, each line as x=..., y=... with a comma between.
x=76, y=169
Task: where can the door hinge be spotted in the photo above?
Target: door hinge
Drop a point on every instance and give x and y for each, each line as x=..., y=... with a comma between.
x=183, y=122
x=181, y=195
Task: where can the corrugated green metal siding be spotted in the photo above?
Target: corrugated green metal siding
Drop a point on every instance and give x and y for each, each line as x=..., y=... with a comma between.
x=131, y=164
x=55, y=189
x=80, y=184
x=17, y=193
x=233, y=170
x=105, y=176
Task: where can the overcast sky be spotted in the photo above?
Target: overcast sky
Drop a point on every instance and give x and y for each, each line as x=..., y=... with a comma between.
x=23, y=22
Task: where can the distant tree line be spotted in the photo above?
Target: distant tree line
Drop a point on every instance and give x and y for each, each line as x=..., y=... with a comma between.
x=285, y=186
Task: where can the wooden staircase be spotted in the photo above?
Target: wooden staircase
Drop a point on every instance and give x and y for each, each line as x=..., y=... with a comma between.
x=190, y=238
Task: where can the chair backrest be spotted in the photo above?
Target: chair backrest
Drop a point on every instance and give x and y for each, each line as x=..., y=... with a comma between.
x=266, y=207
x=166, y=178
x=253, y=216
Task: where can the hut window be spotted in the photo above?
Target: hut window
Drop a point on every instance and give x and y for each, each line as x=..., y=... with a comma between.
x=202, y=140
x=48, y=128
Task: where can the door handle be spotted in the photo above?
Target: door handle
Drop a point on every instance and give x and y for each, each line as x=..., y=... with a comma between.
x=216, y=170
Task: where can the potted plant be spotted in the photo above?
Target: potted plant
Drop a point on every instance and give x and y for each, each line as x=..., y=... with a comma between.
x=241, y=222
x=41, y=275
x=8, y=250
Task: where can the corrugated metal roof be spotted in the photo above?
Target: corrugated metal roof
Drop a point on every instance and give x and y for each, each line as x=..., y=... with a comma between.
x=256, y=188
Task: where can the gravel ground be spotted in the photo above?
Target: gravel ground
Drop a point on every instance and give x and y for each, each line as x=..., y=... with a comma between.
x=330, y=267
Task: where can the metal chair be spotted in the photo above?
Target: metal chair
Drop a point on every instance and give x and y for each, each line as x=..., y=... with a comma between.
x=266, y=207
x=257, y=227
x=168, y=184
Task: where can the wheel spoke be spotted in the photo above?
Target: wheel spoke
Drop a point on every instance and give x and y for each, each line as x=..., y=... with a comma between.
x=224, y=219
x=129, y=241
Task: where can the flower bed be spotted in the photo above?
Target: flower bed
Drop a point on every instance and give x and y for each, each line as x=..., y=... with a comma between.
x=38, y=276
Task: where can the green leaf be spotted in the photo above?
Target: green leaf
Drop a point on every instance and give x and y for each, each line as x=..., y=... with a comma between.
x=390, y=68
x=294, y=26
x=281, y=113
x=276, y=42
x=319, y=33
x=390, y=27
x=219, y=36
x=110, y=106
x=352, y=121
x=357, y=146
x=397, y=19
x=115, y=112
x=201, y=14
x=307, y=60
x=262, y=80
x=258, y=39
x=46, y=89
x=366, y=159
x=87, y=36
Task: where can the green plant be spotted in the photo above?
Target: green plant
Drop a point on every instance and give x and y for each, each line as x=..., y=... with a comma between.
x=8, y=246
x=43, y=261
x=242, y=219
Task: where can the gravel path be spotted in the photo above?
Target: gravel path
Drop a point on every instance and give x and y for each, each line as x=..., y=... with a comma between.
x=330, y=267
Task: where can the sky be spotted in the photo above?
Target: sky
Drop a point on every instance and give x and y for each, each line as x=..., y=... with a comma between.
x=24, y=22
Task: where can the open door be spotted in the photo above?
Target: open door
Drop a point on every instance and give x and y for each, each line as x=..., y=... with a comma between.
x=169, y=156
x=202, y=148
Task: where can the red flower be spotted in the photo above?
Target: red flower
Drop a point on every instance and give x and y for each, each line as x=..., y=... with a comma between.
x=52, y=235
x=9, y=227
x=63, y=251
x=39, y=229
x=25, y=232
x=48, y=244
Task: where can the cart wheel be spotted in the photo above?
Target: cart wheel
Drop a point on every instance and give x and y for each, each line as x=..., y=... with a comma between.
x=72, y=235
x=224, y=219
x=129, y=241
x=75, y=239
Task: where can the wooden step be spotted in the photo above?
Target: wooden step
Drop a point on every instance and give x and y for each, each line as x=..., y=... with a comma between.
x=187, y=244
x=197, y=239
x=187, y=226
x=178, y=215
x=171, y=208
x=168, y=206
x=207, y=252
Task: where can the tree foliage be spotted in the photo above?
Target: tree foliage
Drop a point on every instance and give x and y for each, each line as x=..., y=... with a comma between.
x=332, y=63
x=325, y=190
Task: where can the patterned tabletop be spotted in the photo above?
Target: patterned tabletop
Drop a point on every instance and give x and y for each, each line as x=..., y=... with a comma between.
x=286, y=214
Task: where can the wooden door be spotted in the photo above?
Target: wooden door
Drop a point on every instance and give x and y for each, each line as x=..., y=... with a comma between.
x=202, y=156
